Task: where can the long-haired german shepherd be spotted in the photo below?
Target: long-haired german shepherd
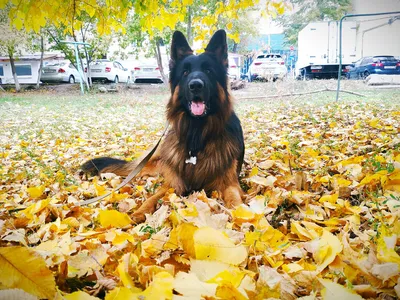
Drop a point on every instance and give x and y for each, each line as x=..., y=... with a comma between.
x=204, y=148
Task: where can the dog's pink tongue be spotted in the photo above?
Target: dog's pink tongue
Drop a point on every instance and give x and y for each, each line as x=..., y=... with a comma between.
x=197, y=108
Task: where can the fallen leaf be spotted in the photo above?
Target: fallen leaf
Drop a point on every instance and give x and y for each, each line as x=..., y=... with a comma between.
x=211, y=244
x=113, y=218
x=334, y=291
x=21, y=268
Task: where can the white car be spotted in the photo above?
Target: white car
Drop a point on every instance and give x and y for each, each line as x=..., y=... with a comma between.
x=268, y=66
x=233, y=70
x=106, y=70
x=60, y=72
x=147, y=73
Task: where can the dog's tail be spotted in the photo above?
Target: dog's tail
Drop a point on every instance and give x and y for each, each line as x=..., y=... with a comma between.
x=107, y=165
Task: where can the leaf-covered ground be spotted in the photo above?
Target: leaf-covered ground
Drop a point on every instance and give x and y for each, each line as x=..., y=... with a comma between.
x=321, y=219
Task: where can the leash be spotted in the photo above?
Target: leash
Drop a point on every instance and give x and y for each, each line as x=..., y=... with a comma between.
x=130, y=176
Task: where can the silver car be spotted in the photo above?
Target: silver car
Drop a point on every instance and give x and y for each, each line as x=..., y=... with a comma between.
x=106, y=70
x=60, y=72
x=147, y=73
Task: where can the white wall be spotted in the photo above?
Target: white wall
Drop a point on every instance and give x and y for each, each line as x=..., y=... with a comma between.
x=374, y=35
x=8, y=78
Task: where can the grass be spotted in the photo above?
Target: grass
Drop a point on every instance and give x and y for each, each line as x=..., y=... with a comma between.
x=95, y=116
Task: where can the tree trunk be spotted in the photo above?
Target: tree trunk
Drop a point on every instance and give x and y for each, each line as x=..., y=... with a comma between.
x=13, y=70
x=189, y=26
x=235, y=45
x=88, y=77
x=159, y=61
x=41, y=61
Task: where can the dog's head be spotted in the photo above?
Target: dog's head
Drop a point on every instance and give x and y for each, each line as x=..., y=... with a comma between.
x=202, y=79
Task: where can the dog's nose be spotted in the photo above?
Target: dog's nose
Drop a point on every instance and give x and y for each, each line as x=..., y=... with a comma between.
x=196, y=85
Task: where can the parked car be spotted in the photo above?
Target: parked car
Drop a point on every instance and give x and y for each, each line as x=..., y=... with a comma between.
x=268, y=66
x=106, y=70
x=379, y=64
x=60, y=72
x=233, y=69
x=147, y=72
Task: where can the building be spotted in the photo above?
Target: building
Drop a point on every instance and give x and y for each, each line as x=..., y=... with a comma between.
x=377, y=35
x=26, y=66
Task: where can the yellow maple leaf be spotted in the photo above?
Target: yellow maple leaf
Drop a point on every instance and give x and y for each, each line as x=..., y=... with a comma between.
x=334, y=291
x=121, y=237
x=189, y=285
x=189, y=211
x=328, y=247
x=123, y=269
x=113, y=218
x=35, y=192
x=311, y=152
x=160, y=288
x=3, y=3
x=80, y=296
x=375, y=123
x=57, y=249
x=243, y=214
x=353, y=160
x=253, y=172
x=303, y=233
x=85, y=262
x=185, y=234
x=378, y=176
x=100, y=189
x=212, y=244
x=228, y=291
x=386, y=245
x=33, y=209
x=342, y=182
x=122, y=293
x=329, y=198
x=292, y=268
x=207, y=269
x=23, y=269
x=270, y=238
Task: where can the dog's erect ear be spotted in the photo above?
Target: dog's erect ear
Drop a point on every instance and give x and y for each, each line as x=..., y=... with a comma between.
x=179, y=47
x=218, y=46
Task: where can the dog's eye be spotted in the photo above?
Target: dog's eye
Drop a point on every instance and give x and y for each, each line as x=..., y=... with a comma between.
x=186, y=73
x=208, y=71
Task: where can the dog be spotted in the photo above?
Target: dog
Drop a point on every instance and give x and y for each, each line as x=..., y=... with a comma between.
x=204, y=147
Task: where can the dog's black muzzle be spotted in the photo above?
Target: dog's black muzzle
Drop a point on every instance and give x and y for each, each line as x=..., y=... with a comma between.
x=197, y=94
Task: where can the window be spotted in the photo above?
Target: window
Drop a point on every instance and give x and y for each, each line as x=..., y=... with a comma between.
x=273, y=56
x=384, y=58
x=366, y=61
x=23, y=70
x=357, y=63
x=1, y=70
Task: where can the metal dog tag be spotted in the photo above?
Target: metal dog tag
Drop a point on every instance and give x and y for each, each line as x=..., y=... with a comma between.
x=192, y=160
